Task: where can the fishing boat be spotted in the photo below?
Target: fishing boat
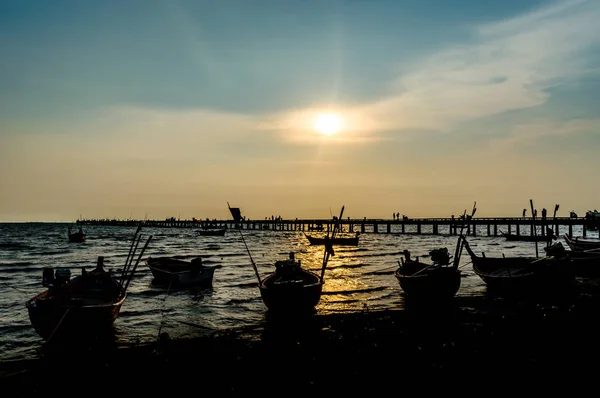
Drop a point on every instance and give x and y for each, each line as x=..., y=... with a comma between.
x=212, y=231
x=586, y=263
x=172, y=271
x=434, y=281
x=522, y=274
x=76, y=237
x=291, y=288
x=581, y=244
x=548, y=237
x=437, y=281
x=338, y=240
x=88, y=303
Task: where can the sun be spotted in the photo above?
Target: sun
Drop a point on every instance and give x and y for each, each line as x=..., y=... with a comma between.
x=328, y=123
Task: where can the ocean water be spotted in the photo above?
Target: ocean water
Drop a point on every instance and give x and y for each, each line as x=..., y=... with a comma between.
x=356, y=278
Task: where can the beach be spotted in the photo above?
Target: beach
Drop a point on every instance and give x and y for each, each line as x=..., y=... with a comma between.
x=479, y=342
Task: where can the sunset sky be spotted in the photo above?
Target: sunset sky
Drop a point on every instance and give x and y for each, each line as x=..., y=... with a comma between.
x=156, y=109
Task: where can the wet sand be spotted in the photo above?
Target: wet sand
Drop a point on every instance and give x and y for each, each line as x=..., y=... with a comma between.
x=478, y=345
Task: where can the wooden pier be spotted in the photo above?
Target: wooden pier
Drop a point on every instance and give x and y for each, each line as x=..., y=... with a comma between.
x=434, y=226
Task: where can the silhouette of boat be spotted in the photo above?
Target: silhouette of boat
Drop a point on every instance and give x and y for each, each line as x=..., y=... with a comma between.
x=522, y=274
x=549, y=236
x=291, y=288
x=429, y=282
x=212, y=231
x=89, y=302
x=76, y=237
x=581, y=244
x=337, y=240
x=175, y=272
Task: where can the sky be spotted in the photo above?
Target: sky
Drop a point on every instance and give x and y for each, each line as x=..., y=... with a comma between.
x=154, y=109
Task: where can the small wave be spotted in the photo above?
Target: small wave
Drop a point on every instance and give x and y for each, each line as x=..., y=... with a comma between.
x=15, y=246
x=353, y=291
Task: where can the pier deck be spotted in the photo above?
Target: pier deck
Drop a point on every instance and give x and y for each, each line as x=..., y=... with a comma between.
x=492, y=226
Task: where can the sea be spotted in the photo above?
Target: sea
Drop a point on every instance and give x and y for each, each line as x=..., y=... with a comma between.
x=356, y=278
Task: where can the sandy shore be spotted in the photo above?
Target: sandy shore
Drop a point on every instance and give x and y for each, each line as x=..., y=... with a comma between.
x=475, y=343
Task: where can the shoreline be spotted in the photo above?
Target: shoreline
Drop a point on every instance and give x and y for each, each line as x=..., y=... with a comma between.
x=512, y=341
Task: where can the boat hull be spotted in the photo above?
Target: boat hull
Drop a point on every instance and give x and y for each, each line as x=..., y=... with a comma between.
x=174, y=272
x=441, y=283
x=339, y=241
x=50, y=315
x=302, y=294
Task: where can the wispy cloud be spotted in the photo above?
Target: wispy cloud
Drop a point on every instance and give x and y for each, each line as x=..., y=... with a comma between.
x=508, y=65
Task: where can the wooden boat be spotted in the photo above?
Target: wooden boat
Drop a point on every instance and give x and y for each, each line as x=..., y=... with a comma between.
x=175, y=272
x=522, y=274
x=586, y=263
x=88, y=303
x=338, y=240
x=548, y=237
x=76, y=237
x=292, y=289
x=212, y=231
x=435, y=281
x=581, y=244
x=319, y=227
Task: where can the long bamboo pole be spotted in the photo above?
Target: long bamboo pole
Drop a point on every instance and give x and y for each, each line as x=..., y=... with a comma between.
x=329, y=245
x=130, y=276
x=460, y=241
x=251, y=259
x=533, y=224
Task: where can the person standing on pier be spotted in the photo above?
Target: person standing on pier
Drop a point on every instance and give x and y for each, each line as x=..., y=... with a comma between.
x=524, y=212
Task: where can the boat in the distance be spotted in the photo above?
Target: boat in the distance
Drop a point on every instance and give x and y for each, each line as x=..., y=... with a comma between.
x=76, y=237
x=548, y=237
x=351, y=240
x=172, y=271
x=87, y=303
x=212, y=231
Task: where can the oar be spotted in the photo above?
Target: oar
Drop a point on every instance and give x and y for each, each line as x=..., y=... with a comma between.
x=533, y=223
x=329, y=245
x=251, y=259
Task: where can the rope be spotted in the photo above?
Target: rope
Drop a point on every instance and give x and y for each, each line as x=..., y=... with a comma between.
x=162, y=310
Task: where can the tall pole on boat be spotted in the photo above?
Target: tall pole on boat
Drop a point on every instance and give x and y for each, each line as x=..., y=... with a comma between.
x=329, y=243
x=460, y=241
x=251, y=259
x=533, y=224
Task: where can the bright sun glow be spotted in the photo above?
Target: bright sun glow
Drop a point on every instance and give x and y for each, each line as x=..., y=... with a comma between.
x=327, y=124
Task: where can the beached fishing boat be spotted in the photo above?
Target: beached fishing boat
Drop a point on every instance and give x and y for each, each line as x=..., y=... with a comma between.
x=437, y=281
x=586, y=263
x=581, y=244
x=337, y=240
x=172, y=271
x=522, y=274
x=88, y=303
x=290, y=288
x=434, y=281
